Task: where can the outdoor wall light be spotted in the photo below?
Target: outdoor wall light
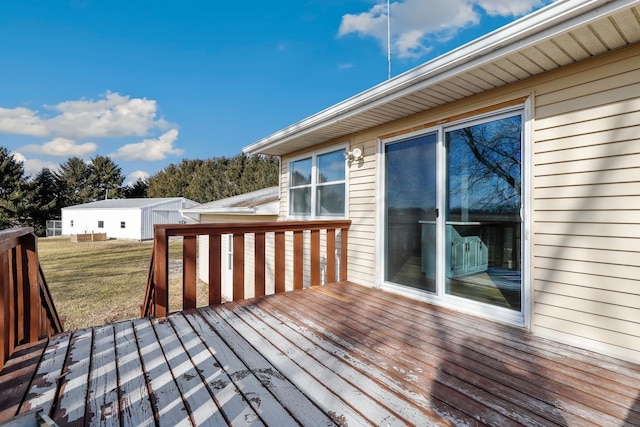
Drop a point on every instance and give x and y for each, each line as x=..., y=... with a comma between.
x=354, y=155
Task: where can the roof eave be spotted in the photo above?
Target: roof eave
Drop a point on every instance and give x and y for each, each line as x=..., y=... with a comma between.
x=556, y=18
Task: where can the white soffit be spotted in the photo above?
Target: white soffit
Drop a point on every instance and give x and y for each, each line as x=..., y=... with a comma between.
x=563, y=33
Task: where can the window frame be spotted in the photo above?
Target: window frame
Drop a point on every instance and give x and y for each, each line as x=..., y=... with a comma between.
x=100, y=224
x=314, y=185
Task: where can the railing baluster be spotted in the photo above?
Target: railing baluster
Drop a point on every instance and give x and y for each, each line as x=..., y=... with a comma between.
x=17, y=281
x=215, y=269
x=18, y=290
x=298, y=259
x=343, y=254
x=189, y=272
x=6, y=319
x=279, y=275
x=315, y=257
x=238, y=266
x=260, y=262
x=331, y=255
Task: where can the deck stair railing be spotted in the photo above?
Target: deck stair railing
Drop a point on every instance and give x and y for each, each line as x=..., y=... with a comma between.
x=302, y=235
x=27, y=312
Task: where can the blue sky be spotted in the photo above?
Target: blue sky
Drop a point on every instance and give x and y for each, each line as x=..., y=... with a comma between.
x=152, y=82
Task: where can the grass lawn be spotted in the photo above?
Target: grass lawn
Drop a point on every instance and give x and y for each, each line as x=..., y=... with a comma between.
x=94, y=283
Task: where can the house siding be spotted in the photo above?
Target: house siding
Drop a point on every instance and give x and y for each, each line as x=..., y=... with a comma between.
x=586, y=197
x=584, y=228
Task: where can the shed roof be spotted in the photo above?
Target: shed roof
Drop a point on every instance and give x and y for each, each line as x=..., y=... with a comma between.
x=138, y=203
x=563, y=33
x=242, y=203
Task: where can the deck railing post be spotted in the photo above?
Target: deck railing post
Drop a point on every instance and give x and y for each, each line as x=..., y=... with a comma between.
x=344, y=243
x=161, y=275
x=32, y=298
x=315, y=257
x=279, y=262
x=189, y=272
x=331, y=255
x=238, y=266
x=260, y=261
x=298, y=259
x=215, y=269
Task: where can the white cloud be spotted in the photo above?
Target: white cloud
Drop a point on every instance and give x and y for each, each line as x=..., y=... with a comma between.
x=33, y=166
x=21, y=121
x=416, y=24
x=150, y=149
x=135, y=176
x=113, y=116
x=62, y=147
x=511, y=7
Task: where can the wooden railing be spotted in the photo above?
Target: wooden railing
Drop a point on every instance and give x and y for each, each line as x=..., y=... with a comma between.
x=157, y=294
x=27, y=312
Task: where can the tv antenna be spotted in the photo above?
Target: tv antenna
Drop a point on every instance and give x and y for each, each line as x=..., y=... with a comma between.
x=389, y=38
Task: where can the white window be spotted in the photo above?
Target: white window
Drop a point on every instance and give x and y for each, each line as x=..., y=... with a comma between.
x=317, y=185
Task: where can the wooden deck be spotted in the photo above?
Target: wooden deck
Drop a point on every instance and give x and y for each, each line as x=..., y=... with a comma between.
x=338, y=354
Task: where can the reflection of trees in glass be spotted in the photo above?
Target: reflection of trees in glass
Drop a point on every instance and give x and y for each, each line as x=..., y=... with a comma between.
x=301, y=172
x=484, y=167
x=410, y=174
x=330, y=200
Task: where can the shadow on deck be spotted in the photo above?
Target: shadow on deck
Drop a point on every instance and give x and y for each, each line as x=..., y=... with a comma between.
x=337, y=354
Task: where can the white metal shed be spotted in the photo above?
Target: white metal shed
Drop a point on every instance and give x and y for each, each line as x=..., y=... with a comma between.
x=124, y=218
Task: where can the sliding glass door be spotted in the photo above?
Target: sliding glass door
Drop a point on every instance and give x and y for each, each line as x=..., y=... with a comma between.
x=410, y=220
x=472, y=173
x=482, y=217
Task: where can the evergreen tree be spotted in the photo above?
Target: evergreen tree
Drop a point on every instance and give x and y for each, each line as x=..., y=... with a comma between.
x=72, y=180
x=14, y=210
x=136, y=190
x=216, y=178
x=44, y=200
x=104, y=176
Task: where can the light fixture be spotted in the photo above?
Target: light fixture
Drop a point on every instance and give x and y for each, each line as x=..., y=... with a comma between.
x=354, y=155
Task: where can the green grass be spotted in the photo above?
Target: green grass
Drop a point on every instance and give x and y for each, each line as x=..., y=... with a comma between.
x=94, y=283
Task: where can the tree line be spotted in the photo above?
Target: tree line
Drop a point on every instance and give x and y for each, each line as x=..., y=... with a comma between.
x=32, y=200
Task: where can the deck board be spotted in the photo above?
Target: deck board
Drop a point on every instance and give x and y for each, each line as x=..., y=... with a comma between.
x=135, y=407
x=340, y=354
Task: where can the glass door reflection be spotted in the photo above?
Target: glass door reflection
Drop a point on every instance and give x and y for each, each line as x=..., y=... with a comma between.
x=482, y=218
x=410, y=217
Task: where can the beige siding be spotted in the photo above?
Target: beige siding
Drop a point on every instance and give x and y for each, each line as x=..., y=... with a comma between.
x=586, y=203
x=362, y=212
